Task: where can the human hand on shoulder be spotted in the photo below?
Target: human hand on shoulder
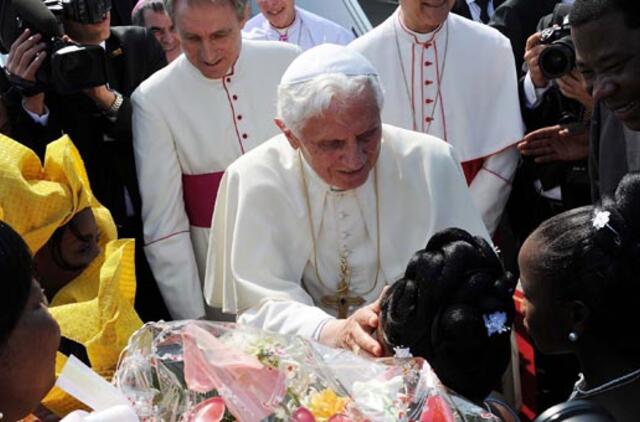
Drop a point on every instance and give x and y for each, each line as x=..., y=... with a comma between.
x=532, y=52
x=355, y=333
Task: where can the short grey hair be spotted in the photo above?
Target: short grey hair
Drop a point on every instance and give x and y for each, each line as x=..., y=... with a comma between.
x=298, y=102
x=237, y=5
x=137, y=16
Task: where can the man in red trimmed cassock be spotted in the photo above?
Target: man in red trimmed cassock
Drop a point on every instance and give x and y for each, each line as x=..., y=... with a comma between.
x=455, y=79
x=190, y=121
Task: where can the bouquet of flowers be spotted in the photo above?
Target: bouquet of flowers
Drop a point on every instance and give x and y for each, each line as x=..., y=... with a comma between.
x=200, y=371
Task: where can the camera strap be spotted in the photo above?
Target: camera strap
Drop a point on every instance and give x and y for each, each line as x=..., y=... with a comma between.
x=24, y=87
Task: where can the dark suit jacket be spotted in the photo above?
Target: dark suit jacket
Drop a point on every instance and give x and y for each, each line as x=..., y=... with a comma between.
x=614, y=150
x=517, y=20
x=462, y=8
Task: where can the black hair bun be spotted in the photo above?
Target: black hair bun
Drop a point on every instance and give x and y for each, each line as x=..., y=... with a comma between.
x=438, y=309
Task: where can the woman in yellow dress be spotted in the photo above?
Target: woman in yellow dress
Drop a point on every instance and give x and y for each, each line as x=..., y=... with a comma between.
x=87, y=274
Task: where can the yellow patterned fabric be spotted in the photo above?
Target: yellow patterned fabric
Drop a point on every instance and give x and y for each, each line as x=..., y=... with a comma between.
x=96, y=308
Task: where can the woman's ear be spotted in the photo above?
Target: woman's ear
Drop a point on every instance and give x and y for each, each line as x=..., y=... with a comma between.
x=578, y=317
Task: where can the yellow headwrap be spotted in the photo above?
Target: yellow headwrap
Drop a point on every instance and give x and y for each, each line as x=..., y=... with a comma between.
x=96, y=308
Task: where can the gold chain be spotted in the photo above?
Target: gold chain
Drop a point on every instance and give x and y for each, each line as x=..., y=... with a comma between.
x=344, y=265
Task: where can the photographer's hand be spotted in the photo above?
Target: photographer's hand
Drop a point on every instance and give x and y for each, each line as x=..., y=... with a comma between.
x=102, y=95
x=531, y=56
x=572, y=85
x=556, y=143
x=25, y=58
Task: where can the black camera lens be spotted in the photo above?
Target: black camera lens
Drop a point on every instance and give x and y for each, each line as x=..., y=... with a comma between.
x=558, y=59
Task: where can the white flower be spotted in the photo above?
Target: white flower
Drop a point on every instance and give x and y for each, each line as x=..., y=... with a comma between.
x=402, y=352
x=495, y=323
x=601, y=219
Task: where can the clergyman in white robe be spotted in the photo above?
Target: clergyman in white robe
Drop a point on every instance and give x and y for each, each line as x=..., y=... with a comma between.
x=187, y=129
x=459, y=84
x=307, y=30
x=260, y=261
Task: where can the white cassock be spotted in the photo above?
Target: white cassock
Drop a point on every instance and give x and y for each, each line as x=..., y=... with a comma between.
x=261, y=260
x=458, y=84
x=306, y=31
x=187, y=129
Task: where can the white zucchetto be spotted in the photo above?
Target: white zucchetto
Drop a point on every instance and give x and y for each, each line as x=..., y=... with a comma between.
x=326, y=59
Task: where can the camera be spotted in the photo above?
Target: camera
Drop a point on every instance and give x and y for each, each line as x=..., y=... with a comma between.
x=69, y=67
x=559, y=58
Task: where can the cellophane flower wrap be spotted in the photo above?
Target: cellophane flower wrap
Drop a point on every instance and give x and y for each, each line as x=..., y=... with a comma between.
x=201, y=371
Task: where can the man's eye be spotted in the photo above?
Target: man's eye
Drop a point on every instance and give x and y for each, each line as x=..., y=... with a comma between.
x=331, y=146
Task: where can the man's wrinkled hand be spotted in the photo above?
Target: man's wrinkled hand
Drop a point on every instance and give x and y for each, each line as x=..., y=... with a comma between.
x=356, y=332
x=555, y=143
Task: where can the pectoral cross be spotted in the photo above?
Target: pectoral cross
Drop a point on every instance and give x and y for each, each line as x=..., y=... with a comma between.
x=341, y=301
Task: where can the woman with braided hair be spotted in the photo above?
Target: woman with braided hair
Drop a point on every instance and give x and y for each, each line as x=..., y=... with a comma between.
x=579, y=272
x=454, y=307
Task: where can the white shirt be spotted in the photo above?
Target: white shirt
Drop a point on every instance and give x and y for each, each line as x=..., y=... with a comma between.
x=187, y=129
x=475, y=10
x=459, y=84
x=306, y=31
x=261, y=260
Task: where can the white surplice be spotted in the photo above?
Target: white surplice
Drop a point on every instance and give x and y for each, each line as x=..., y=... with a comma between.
x=187, y=129
x=306, y=31
x=459, y=84
x=261, y=261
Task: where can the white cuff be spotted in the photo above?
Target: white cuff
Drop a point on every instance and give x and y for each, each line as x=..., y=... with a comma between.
x=533, y=95
x=41, y=120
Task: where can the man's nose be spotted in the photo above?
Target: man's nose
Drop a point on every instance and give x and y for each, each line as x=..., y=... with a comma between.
x=208, y=52
x=354, y=156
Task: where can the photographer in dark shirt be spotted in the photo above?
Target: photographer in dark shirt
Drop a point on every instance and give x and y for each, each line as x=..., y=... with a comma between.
x=97, y=119
x=556, y=109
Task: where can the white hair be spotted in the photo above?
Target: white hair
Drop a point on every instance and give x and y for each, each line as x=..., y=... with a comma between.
x=298, y=102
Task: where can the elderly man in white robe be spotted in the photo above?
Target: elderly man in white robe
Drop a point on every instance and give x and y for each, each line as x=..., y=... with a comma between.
x=281, y=20
x=310, y=226
x=455, y=79
x=190, y=121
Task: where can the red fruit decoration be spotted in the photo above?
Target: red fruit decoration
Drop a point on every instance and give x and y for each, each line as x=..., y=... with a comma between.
x=302, y=414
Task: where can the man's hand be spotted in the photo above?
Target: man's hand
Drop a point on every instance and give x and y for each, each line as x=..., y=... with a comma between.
x=101, y=95
x=355, y=332
x=531, y=55
x=555, y=143
x=572, y=85
x=26, y=55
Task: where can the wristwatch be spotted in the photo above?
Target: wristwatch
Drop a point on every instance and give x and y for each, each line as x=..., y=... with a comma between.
x=115, y=106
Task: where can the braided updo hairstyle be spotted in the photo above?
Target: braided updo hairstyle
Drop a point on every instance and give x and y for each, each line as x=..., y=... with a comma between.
x=438, y=310
x=592, y=255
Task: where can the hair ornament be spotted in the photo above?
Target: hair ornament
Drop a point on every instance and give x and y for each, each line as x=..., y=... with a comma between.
x=601, y=220
x=495, y=323
x=402, y=352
